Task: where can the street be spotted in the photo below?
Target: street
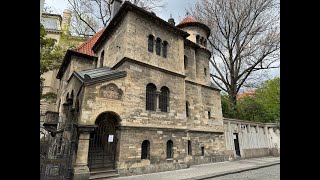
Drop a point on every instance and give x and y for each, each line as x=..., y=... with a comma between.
x=266, y=173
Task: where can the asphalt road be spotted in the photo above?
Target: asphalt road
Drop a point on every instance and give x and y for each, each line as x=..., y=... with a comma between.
x=266, y=173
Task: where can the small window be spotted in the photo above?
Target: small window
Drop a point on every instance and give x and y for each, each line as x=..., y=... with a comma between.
x=71, y=95
x=201, y=40
x=164, y=99
x=145, y=150
x=77, y=105
x=185, y=62
x=169, y=149
x=209, y=115
x=101, y=58
x=202, y=151
x=189, y=148
x=197, y=39
x=187, y=108
x=150, y=43
x=151, y=97
x=205, y=71
x=164, y=50
x=158, y=46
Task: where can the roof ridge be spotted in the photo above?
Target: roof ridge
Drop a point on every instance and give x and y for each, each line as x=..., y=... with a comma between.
x=86, y=47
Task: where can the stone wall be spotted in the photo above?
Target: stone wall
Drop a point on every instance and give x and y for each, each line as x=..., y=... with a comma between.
x=202, y=67
x=255, y=139
x=130, y=162
x=138, y=30
x=76, y=64
x=201, y=100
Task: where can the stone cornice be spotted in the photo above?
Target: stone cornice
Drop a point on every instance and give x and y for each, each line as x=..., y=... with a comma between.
x=128, y=127
x=146, y=65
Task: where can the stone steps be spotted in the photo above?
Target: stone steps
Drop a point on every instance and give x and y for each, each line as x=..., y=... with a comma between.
x=103, y=173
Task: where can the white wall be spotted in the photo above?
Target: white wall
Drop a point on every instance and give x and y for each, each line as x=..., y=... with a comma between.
x=251, y=135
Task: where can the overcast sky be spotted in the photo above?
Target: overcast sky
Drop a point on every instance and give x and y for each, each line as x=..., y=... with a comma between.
x=176, y=8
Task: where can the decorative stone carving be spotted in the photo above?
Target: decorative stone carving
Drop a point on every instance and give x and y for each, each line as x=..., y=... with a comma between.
x=110, y=91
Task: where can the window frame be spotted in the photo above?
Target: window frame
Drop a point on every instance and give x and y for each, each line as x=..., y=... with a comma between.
x=150, y=43
x=145, y=150
x=164, y=99
x=151, y=97
x=158, y=46
x=169, y=149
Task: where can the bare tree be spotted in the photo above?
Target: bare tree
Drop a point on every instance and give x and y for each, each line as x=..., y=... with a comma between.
x=245, y=38
x=89, y=16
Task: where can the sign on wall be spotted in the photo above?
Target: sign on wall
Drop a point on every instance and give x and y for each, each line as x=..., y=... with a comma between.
x=110, y=138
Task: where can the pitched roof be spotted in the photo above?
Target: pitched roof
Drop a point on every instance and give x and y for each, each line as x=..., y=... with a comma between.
x=190, y=21
x=92, y=76
x=246, y=93
x=187, y=20
x=86, y=47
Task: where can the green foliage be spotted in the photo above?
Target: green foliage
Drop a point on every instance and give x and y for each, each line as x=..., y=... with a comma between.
x=268, y=95
x=228, y=109
x=50, y=96
x=264, y=106
x=50, y=55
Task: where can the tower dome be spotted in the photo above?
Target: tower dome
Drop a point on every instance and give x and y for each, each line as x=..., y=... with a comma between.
x=198, y=31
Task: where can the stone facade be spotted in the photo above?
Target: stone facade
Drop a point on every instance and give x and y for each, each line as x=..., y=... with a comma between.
x=96, y=96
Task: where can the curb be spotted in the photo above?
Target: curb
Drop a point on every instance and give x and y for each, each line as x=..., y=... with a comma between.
x=232, y=171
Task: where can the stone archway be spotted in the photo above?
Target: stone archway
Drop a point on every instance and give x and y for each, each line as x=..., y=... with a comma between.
x=103, y=143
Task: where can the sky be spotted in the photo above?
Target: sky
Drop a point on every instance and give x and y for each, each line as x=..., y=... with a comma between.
x=176, y=8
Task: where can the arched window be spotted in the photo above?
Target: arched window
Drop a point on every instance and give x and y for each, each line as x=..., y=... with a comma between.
x=201, y=40
x=101, y=58
x=185, y=62
x=189, y=148
x=145, y=150
x=77, y=105
x=164, y=50
x=164, y=99
x=209, y=115
x=197, y=39
x=150, y=43
x=187, y=108
x=71, y=95
x=205, y=71
x=158, y=46
x=151, y=97
x=169, y=149
x=202, y=151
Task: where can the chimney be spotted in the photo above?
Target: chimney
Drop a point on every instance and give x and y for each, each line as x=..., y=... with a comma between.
x=66, y=17
x=115, y=6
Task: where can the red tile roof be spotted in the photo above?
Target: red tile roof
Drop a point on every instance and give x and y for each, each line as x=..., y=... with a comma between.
x=187, y=20
x=246, y=93
x=86, y=47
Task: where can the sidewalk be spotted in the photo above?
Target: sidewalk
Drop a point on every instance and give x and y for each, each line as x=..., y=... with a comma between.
x=208, y=170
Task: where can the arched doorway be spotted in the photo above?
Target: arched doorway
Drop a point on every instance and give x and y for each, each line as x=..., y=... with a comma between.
x=103, y=142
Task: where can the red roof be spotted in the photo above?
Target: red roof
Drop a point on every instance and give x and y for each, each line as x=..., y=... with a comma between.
x=86, y=47
x=187, y=20
x=246, y=93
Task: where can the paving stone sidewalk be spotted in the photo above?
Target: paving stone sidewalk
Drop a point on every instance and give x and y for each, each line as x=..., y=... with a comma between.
x=208, y=170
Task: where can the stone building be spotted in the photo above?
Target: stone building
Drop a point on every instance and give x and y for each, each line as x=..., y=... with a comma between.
x=139, y=92
x=57, y=27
